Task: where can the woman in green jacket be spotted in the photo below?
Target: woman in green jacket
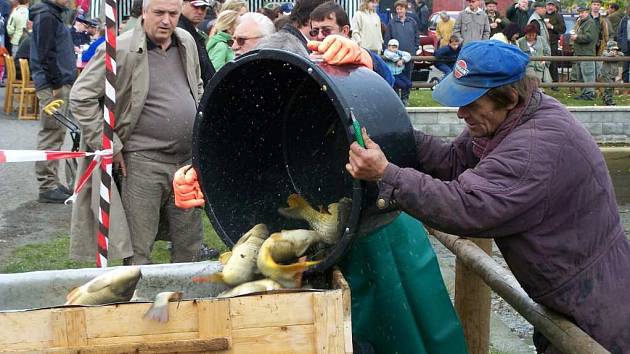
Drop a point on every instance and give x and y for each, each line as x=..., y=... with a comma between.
x=219, y=45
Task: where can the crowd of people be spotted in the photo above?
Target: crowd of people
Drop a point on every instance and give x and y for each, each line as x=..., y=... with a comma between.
x=168, y=50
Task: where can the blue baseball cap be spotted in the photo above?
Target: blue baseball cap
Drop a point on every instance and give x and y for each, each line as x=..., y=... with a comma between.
x=480, y=66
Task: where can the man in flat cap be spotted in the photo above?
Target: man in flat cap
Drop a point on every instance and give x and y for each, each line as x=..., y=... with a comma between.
x=584, y=41
x=193, y=12
x=555, y=27
x=497, y=22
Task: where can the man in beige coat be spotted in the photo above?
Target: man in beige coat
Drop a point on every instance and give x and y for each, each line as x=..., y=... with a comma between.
x=158, y=88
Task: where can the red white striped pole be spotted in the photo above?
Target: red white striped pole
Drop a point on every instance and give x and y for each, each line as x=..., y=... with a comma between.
x=108, y=133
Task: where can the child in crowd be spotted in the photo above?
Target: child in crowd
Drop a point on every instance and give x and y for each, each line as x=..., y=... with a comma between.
x=447, y=55
x=610, y=70
x=396, y=60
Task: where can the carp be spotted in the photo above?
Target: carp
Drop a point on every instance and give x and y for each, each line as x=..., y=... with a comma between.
x=159, y=309
x=240, y=264
x=117, y=285
x=328, y=223
x=282, y=247
x=252, y=287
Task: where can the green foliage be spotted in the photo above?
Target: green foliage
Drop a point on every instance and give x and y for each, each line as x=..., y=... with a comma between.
x=53, y=255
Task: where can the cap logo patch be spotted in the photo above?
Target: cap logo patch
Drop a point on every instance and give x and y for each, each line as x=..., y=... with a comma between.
x=461, y=69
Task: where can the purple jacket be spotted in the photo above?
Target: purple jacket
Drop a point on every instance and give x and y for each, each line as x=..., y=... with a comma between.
x=541, y=188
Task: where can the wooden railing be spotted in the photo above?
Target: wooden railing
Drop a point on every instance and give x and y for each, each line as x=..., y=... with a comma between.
x=476, y=273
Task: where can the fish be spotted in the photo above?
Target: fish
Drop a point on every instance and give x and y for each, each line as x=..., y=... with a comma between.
x=283, y=247
x=328, y=223
x=159, y=309
x=240, y=264
x=117, y=285
x=251, y=287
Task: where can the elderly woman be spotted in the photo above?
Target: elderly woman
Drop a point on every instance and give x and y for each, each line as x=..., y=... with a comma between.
x=534, y=46
x=444, y=29
x=525, y=172
x=220, y=44
x=366, y=26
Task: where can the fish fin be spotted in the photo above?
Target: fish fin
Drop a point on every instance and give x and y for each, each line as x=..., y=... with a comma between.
x=212, y=278
x=72, y=295
x=157, y=312
x=296, y=267
x=225, y=257
x=297, y=207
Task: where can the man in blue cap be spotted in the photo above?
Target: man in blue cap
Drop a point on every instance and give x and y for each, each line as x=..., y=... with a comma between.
x=525, y=172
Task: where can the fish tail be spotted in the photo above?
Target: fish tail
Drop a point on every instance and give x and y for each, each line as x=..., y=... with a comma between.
x=298, y=267
x=212, y=278
x=298, y=208
x=157, y=312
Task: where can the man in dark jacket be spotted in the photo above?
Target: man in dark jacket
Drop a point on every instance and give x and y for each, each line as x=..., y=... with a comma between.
x=623, y=40
x=193, y=12
x=405, y=30
x=53, y=68
x=614, y=15
x=556, y=28
x=528, y=174
x=422, y=11
x=497, y=22
x=584, y=42
x=519, y=14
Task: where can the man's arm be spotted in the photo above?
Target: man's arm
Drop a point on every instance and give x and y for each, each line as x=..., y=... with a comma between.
x=588, y=33
x=44, y=44
x=457, y=29
x=486, y=29
x=86, y=105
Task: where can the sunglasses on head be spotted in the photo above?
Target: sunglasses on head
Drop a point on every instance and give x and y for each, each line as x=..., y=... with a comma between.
x=326, y=31
x=240, y=40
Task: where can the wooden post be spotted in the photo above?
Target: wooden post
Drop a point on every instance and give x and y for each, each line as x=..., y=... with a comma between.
x=472, y=303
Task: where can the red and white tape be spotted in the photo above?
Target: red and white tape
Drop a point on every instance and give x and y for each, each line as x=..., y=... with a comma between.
x=38, y=155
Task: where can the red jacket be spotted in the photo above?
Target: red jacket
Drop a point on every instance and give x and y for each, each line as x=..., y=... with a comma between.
x=541, y=188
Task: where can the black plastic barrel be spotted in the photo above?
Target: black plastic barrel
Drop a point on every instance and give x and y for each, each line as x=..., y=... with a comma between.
x=273, y=123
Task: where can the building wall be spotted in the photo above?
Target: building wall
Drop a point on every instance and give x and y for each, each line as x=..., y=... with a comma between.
x=609, y=125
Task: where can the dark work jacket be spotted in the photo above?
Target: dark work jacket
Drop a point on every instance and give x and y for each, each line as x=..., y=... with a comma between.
x=207, y=69
x=559, y=27
x=540, y=187
x=447, y=55
x=52, y=58
x=405, y=32
x=622, y=35
x=79, y=38
x=518, y=16
x=289, y=28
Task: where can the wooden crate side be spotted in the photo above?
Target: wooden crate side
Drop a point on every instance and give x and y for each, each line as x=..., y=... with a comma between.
x=271, y=310
x=329, y=329
x=28, y=329
x=339, y=282
x=274, y=340
x=214, y=319
x=127, y=320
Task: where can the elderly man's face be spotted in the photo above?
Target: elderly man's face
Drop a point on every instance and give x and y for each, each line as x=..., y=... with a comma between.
x=323, y=29
x=491, y=7
x=160, y=19
x=194, y=14
x=540, y=10
x=246, y=37
x=523, y=4
x=474, y=4
x=584, y=14
x=551, y=8
x=482, y=117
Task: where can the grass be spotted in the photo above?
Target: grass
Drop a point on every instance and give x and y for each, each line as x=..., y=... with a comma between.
x=53, y=255
x=422, y=98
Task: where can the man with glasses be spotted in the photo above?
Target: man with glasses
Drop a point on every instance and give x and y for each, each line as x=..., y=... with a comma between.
x=193, y=12
x=251, y=29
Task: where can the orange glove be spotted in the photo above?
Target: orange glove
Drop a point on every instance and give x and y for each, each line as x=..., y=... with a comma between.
x=186, y=188
x=339, y=50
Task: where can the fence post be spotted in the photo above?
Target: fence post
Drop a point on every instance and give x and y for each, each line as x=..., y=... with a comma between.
x=472, y=303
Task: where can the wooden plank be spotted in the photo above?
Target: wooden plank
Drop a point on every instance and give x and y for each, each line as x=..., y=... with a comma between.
x=271, y=310
x=329, y=331
x=59, y=328
x=214, y=318
x=76, y=331
x=472, y=303
x=114, y=320
x=339, y=282
x=183, y=346
x=19, y=329
x=274, y=340
x=121, y=338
